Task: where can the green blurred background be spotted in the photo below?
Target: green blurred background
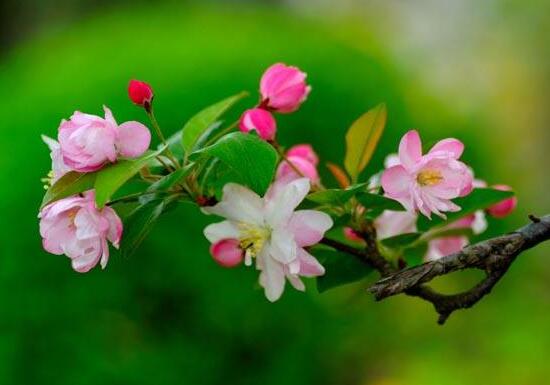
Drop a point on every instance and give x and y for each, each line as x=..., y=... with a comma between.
x=478, y=71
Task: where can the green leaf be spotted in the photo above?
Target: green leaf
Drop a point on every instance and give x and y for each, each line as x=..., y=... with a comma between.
x=111, y=178
x=400, y=241
x=362, y=138
x=140, y=222
x=378, y=202
x=335, y=196
x=478, y=199
x=199, y=123
x=251, y=160
x=166, y=183
x=69, y=184
x=340, y=269
x=415, y=255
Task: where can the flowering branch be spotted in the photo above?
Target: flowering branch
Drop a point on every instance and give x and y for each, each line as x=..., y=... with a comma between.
x=493, y=256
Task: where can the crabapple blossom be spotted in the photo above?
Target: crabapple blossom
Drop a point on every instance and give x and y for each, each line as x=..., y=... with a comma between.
x=505, y=207
x=59, y=168
x=259, y=120
x=427, y=183
x=140, y=93
x=283, y=88
x=75, y=227
x=301, y=158
x=391, y=223
x=271, y=232
x=304, y=151
x=88, y=142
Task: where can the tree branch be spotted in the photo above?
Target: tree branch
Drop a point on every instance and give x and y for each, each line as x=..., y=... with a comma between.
x=493, y=256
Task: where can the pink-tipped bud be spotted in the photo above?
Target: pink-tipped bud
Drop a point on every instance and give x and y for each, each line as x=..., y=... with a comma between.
x=140, y=93
x=304, y=151
x=260, y=121
x=283, y=88
x=505, y=207
x=227, y=252
x=287, y=172
x=351, y=235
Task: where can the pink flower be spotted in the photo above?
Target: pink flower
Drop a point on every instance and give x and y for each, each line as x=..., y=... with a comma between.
x=427, y=183
x=287, y=173
x=504, y=208
x=269, y=231
x=352, y=235
x=75, y=227
x=283, y=88
x=88, y=142
x=227, y=252
x=140, y=93
x=59, y=168
x=392, y=223
x=304, y=151
x=260, y=121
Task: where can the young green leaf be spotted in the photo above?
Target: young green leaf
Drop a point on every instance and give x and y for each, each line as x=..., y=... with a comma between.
x=335, y=196
x=164, y=184
x=378, y=202
x=362, y=139
x=401, y=241
x=140, y=222
x=111, y=178
x=478, y=199
x=199, y=123
x=69, y=184
x=251, y=159
x=340, y=269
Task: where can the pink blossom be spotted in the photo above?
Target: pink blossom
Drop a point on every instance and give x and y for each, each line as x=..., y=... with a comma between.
x=75, y=227
x=304, y=151
x=352, y=235
x=427, y=183
x=287, y=172
x=88, y=142
x=259, y=120
x=271, y=232
x=505, y=207
x=283, y=88
x=59, y=168
x=392, y=223
x=140, y=93
x=227, y=252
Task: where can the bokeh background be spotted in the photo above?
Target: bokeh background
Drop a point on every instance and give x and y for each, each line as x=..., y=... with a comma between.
x=479, y=71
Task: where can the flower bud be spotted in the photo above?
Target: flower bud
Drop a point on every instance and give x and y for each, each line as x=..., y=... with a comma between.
x=259, y=120
x=351, y=235
x=304, y=151
x=505, y=207
x=227, y=252
x=287, y=173
x=283, y=88
x=140, y=93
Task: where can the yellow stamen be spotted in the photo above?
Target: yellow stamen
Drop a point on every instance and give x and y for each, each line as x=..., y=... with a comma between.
x=429, y=177
x=253, y=238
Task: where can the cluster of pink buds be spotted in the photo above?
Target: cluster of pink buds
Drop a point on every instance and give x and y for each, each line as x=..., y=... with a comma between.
x=282, y=89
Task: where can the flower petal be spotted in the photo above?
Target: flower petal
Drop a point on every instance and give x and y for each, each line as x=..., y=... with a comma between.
x=410, y=149
x=309, y=265
x=309, y=226
x=280, y=204
x=272, y=277
x=238, y=204
x=450, y=145
x=396, y=182
x=219, y=231
x=282, y=246
x=133, y=139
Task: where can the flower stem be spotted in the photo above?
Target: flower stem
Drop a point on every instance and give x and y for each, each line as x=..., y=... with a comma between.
x=156, y=126
x=226, y=130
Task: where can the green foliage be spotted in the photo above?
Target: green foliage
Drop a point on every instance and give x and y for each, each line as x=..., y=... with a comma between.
x=340, y=269
x=378, y=202
x=166, y=183
x=400, y=241
x=69, y=184
x=478, y=199
x=251, y=160
x=335, y=196
x=199, y=123
x=362, y=139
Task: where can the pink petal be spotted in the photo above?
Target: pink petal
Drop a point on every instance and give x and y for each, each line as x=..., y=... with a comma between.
x=309, y=265
x=309, y=226
x=410, y=149
x=396, y=182
x=133, y=139
x=452, y=146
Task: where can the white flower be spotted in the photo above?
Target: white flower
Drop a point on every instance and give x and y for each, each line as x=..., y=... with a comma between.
x=271, y=232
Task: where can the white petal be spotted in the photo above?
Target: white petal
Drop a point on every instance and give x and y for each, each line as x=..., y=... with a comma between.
x=272, y=278
x=282, y=246
x=296, y=282
x=238, y=204
x=309, y=226
x=281, y=204
x=222, y=230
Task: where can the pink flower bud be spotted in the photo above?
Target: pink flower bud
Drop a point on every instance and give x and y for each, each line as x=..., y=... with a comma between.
x=351, y=235
x=304, y=151
x=140, y=93
x=283, y=88
x=504, y=208
x=227, y=252
x=259, y=120
x=287, y=173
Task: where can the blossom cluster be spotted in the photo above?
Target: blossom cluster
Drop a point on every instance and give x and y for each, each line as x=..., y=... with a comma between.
x=276, y=230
